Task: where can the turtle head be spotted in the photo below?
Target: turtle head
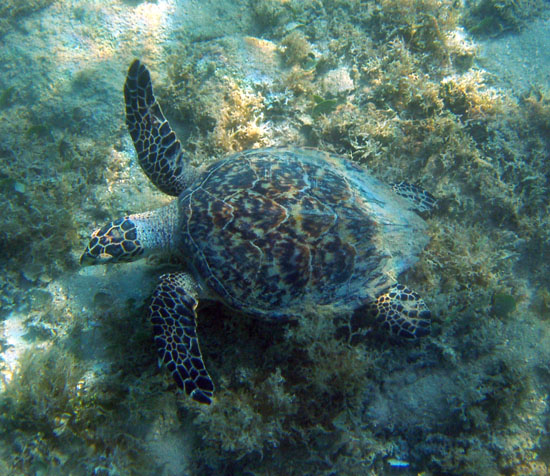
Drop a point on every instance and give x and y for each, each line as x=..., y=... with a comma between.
x=134, y=236
x=113, y=243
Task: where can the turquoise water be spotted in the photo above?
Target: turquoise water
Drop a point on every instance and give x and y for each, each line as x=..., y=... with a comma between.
x=452, y=97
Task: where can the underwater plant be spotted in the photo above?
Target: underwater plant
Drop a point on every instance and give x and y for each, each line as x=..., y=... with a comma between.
x=493, y=18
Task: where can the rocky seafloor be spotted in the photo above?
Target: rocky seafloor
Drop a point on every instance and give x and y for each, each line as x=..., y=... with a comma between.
x=453, y=97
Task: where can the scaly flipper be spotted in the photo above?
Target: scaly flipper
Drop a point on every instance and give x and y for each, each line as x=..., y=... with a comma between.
x=174, y=324
x=420, y=199
x=159, y=151
x=402, y=312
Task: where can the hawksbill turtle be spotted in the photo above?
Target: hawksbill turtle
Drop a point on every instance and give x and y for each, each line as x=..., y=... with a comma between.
x=273, y=233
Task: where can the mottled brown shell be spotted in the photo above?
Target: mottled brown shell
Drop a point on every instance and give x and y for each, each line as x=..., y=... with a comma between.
x=275, y=231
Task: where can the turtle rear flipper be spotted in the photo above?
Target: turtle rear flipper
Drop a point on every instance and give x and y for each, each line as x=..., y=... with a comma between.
x=419, y=199
x=159, y=151
x=402, y=312
x=174, y=324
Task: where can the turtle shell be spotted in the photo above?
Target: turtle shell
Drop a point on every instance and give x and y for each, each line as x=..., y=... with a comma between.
x=275, y=231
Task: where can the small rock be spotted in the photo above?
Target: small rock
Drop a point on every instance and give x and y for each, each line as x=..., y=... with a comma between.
x=337, y=82
x=19, y=187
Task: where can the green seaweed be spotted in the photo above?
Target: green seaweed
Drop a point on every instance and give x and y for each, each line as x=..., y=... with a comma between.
x=39, y=130
x=323, y=106
x=268, y=13
x=6, y=97
x=486, y=25
x=296, y=49
x=502, y=304
x=495, y=17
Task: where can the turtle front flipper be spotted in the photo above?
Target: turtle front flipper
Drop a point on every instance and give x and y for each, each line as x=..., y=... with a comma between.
x=402, y=312
x=159, y=151
x=174, y=324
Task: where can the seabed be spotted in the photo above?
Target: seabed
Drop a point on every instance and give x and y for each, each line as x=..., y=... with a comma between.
x=452, y=96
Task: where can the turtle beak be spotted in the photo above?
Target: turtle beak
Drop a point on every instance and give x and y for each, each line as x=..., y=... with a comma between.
x=87, y=259
x=96, y=252
x=91, y=255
